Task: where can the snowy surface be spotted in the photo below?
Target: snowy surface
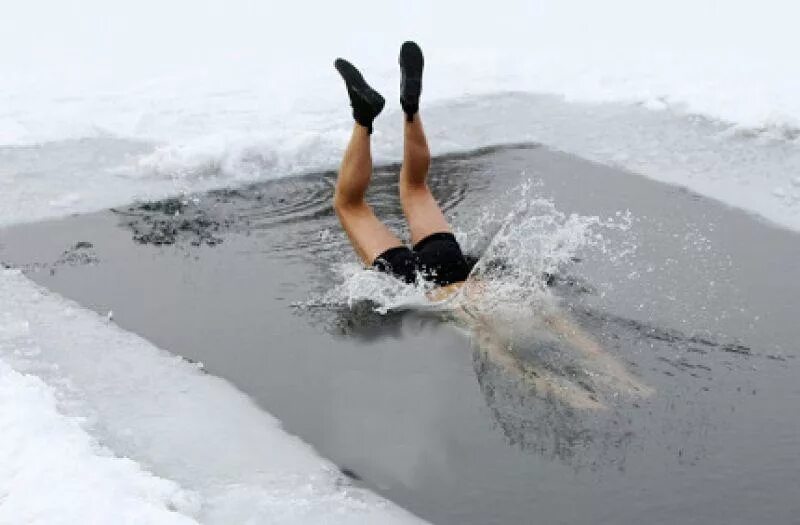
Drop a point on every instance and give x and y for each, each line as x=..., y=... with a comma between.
x=104, y=102
x=99, y=426
x=189, y=95
x=54, y=472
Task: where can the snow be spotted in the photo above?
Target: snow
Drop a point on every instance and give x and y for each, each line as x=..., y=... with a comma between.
x=183, y=97
x=99, y=426
x=54, y=472
x=105, y=102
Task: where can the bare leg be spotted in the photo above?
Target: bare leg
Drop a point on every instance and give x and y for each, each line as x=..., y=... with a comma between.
x=369, y=236
x=419, y=206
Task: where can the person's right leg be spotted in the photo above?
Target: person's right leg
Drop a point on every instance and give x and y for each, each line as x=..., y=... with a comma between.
x=422, y=212
x=368, y=235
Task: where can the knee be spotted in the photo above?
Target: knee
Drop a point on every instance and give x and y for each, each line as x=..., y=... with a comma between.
x=411, y=187
x=416, y=166
x=344, y=203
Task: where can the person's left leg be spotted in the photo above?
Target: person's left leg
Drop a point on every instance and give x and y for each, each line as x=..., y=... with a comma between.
x=422, y=212
x=368, y=235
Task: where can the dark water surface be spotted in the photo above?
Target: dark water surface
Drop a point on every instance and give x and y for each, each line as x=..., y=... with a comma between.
x=705, y=310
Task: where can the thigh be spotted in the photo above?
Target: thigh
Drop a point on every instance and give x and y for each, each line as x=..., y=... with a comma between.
x=422, y=212
x=368, y=235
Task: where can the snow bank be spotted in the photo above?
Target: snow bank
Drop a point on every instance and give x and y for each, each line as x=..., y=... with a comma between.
x=99, y=426
x=52, y=471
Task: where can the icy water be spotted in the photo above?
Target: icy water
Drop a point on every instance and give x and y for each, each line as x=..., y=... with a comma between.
x=699, y=301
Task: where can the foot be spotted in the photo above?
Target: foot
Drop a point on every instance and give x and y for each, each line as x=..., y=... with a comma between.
x=367, y=103
x=411, y=63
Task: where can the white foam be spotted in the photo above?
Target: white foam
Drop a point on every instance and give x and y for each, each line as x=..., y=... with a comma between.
x=100, y=426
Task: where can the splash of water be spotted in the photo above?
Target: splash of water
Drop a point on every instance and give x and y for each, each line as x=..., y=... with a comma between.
x=533, y=241
x=522, y=246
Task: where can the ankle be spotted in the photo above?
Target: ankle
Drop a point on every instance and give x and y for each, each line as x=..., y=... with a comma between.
x=412, y=113
x=360, y=129
x=412, y=116
x=363, y=120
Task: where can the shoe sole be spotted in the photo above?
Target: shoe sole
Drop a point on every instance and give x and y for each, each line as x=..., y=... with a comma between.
x=411, y=64
x=355, y=81
x=411, y=58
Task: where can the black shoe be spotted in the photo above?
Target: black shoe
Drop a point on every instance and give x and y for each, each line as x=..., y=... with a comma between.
x=411, y=63
x=367, y=103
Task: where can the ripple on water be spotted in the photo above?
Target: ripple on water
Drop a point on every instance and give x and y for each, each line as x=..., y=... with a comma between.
x=297, y=212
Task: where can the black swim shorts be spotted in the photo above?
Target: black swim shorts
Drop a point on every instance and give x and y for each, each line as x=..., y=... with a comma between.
x=437, y=258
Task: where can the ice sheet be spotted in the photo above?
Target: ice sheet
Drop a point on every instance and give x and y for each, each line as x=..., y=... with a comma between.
x=99, y=426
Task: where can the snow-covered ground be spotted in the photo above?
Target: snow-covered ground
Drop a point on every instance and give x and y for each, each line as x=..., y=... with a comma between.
x=104, y=102
x=210, y=93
